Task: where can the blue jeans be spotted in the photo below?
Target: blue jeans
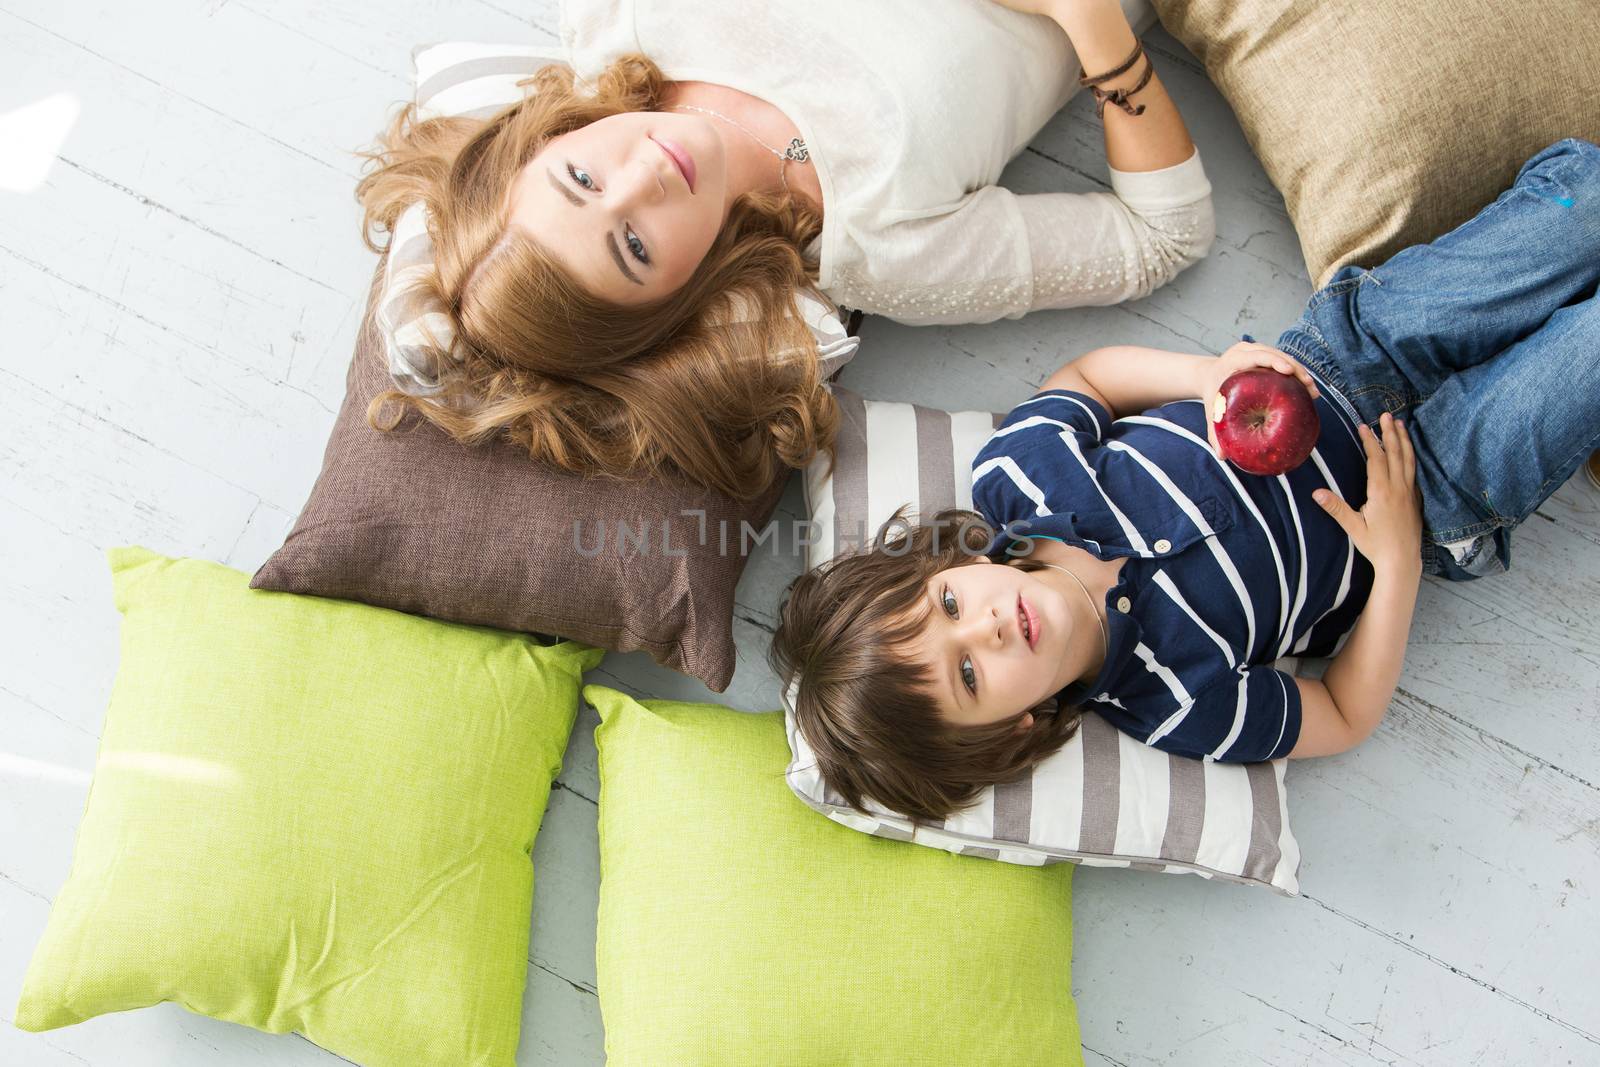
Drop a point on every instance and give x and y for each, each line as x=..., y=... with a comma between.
x=1487, y=342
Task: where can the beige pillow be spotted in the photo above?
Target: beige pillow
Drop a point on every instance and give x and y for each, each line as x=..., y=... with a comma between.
x=1386, y=123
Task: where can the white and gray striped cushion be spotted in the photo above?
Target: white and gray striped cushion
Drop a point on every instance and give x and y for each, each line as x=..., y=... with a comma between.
x=1104, y=799
x=477, y=80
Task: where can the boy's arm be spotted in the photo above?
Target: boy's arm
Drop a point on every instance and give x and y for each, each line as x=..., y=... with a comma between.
x=1341, y=711
x=1356, y=690
x=1128, y=379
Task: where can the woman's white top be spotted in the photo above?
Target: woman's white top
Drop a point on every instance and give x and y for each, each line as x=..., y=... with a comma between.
x=911, y=109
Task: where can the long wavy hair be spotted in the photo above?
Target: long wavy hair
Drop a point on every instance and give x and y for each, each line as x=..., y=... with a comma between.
x=717, y=381
x=864, y=705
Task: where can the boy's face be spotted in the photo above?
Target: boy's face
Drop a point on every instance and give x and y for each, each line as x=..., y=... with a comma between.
x=986, y=664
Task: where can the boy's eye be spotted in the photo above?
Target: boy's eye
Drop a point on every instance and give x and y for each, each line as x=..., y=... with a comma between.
x=969, y=677
x=581, y=177
x=635, y=245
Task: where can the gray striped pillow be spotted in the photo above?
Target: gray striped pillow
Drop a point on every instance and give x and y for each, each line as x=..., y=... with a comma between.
x=476, y=80
x=1104, y=799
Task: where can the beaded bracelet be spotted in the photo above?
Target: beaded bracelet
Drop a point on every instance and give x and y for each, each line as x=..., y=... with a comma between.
x=1119, y=96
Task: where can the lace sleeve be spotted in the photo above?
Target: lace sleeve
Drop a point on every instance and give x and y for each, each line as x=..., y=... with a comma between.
x=999, y=255
x=1104, y=248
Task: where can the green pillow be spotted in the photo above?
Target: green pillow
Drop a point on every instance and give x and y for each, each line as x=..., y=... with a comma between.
x=738, y=926
x=310, y=815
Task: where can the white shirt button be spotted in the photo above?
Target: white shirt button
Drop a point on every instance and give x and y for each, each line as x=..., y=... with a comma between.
x=1163, y=545
x=1124, y=604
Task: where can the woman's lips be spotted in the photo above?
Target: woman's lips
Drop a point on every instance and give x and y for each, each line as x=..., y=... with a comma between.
x=1033, y=622
x=680, y=158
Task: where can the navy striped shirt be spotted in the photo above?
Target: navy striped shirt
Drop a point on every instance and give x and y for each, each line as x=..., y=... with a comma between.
x=1227, y=571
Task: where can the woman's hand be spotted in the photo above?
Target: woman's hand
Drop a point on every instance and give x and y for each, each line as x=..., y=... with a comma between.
x=1076, y=16
x=1244, y=356
x=1060, y=10
x=1032, y=7
x=1388, y=528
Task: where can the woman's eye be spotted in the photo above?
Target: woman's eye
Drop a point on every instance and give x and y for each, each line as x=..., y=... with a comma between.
x=636, y=246
x=580, y=177
x=947, y=599
x=969, y=676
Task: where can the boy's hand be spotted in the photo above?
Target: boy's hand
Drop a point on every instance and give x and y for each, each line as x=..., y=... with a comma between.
x=1388, y=528
x=1244, y=356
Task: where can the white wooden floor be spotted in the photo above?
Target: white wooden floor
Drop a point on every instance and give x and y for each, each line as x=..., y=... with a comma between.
x=178, y=300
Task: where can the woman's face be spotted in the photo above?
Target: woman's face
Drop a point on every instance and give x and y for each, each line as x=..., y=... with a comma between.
x=629, y=204
x=997, y=639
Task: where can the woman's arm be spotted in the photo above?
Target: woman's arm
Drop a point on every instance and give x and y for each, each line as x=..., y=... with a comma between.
x=1102, y=38
x=1156, y=175
x=998, y=254
x=1094, y=249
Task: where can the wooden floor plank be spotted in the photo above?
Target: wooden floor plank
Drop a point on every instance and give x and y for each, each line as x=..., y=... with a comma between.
x=566, y=863
x=189, y=284
x=224, y=418
x=178, y=156
x=1214, y=977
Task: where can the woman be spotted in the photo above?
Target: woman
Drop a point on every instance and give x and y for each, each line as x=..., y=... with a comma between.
x=620, y=265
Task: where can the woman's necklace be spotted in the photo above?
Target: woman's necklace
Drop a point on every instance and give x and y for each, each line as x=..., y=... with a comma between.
x=1104, y=634
x=796, y=151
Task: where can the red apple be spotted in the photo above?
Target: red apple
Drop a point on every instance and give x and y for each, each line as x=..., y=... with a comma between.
x=1265, y=421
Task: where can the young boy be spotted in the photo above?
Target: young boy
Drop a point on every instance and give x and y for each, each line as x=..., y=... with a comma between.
x=1137, y=574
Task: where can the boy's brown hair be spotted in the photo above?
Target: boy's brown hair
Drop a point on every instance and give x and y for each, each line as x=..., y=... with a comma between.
x=868, y=711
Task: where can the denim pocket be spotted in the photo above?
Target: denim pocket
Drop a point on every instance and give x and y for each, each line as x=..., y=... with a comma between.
x=1387, y=400
x=1340, y=285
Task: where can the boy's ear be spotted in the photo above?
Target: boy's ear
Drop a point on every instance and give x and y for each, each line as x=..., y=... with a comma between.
x=1025, y=723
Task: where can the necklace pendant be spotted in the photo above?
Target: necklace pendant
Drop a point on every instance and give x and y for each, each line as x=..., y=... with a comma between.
x=797, y=151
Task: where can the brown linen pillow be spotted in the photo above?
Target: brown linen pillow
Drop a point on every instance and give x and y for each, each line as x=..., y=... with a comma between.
x=415, y=521
x=1386, y=123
